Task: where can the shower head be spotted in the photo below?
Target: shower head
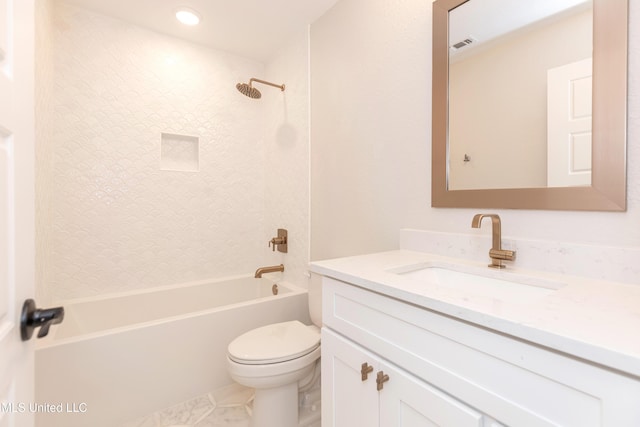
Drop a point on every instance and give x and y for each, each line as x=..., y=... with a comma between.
x=252, y=92
x=248, y=90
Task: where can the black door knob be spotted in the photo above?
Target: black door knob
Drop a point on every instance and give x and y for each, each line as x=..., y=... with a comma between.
x=32, y=318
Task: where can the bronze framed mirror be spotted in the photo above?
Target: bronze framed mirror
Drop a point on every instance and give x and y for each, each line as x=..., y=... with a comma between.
x=468, y=174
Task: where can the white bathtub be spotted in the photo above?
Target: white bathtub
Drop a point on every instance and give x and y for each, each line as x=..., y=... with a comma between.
x=117, y=358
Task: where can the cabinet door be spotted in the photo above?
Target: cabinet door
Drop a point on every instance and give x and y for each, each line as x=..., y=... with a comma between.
x=403, y=401
x=347, y=400
x=406, y=401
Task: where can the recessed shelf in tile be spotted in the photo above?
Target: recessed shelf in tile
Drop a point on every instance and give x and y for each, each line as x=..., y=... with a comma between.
x=179, y=152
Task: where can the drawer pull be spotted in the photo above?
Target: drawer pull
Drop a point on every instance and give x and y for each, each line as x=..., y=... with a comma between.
x=365, y=370
x=381, y=379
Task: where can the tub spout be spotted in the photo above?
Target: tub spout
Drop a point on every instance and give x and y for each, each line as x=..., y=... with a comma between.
x=272, y=269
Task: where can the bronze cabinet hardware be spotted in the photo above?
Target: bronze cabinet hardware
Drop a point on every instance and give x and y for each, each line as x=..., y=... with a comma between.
x=365, y=370
x=381, y=378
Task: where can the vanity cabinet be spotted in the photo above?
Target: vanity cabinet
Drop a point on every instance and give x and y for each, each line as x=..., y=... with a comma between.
x=385, y=396
x=446, y=372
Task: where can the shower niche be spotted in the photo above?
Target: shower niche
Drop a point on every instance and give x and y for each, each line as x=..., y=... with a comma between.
x=179, y=152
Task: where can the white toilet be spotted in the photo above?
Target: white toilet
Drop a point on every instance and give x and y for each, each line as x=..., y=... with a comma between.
x=275, y=360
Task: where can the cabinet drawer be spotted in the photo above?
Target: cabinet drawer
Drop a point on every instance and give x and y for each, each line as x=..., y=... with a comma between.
x=515, y=382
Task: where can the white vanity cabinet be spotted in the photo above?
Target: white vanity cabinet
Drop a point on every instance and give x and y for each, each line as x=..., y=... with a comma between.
x=403, y=400
x=446, y=372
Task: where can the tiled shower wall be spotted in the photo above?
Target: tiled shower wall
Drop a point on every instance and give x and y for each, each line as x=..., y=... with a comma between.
x=44, y=57
x=118, y=220
x=287, y=164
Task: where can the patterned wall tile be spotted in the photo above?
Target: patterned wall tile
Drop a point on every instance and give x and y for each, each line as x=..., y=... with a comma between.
x=119, y=222
x=287, y=141
x=44, y=57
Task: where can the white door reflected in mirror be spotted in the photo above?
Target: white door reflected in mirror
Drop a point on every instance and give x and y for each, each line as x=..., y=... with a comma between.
x=569, y=124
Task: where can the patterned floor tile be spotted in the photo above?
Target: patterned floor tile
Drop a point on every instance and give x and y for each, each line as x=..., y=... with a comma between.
x=146, y=421
x=228, y=406
x=232, y=395
x=186, y=413
x=228, y=417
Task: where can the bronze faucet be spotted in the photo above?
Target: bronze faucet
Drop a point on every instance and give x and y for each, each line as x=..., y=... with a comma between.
x=272, y=269
x=496, y=252
x=281, y=241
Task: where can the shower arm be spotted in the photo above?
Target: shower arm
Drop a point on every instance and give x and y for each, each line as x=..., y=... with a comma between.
x=251, y=80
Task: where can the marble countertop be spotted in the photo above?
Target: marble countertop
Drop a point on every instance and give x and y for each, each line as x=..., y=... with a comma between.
x=590, y=319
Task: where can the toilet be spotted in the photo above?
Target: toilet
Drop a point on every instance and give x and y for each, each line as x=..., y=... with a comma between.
x=276, y=360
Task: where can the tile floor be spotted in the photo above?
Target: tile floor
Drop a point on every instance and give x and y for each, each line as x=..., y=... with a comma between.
x=229, y=406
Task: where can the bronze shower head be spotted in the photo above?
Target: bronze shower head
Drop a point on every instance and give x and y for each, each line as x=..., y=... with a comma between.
x=252, y=92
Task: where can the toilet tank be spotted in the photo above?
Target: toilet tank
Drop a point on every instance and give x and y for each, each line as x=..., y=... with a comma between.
x=315, y=299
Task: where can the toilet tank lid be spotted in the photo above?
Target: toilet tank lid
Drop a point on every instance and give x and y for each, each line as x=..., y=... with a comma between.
x=274, y=343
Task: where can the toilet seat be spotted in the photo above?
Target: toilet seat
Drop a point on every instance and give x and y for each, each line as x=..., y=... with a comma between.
x=274, y=343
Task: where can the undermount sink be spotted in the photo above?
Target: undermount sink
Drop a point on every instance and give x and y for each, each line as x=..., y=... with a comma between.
x=499, y=285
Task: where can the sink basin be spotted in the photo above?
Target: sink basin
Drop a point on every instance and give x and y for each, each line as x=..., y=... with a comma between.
x=497, y=284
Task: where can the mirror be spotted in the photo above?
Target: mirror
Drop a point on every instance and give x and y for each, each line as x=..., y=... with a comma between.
x=503, y=71
x=489, y=153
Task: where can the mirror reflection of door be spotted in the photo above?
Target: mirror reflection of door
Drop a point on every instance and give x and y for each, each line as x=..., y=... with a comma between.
x=569, y=124
x=499, y=57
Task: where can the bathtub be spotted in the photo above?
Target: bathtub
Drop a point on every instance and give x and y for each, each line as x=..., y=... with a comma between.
x=117, y=358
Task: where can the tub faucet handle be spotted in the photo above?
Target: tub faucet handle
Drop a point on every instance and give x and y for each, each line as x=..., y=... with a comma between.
x=277, y=241
x=280, y=242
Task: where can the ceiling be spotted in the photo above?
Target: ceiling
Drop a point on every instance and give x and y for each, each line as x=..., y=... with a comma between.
x=251, y=28
x=486, y=20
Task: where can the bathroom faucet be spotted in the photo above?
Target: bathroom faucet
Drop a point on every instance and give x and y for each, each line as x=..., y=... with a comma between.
x=272, y=269
x=496, y=252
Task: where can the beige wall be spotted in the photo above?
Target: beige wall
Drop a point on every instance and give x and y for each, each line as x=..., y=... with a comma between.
x=370, y=138
x=370, y=64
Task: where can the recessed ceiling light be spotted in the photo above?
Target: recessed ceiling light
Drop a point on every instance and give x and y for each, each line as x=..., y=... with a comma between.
x=188, y=16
